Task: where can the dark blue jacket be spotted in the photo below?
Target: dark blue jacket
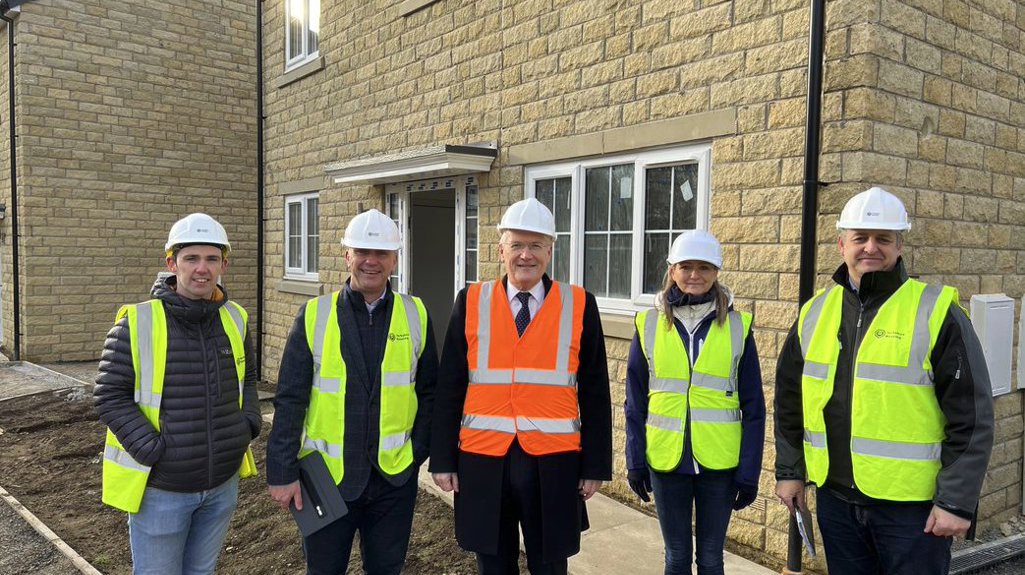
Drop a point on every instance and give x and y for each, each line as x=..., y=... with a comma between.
x=752, y=407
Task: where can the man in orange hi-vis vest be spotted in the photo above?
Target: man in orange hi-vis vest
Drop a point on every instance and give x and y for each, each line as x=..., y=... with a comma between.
x=522, y=421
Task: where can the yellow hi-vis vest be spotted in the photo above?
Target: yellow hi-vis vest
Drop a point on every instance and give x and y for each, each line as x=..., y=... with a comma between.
x=896, y=421
x=324, y=428
x=710, y=395
x=124, y=479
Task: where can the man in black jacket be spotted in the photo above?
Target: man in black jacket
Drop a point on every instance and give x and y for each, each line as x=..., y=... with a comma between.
x=525, y=437
x=356, y=384
x=177, y=391
x=883, y=400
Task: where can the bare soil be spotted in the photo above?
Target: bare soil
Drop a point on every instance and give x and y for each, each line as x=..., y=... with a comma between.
x=50, y=446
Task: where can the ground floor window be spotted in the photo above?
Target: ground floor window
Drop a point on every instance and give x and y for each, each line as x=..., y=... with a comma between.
x=616, y=217
x=302, y=236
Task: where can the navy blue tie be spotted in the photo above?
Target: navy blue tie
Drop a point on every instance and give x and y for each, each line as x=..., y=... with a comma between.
x=523, y=317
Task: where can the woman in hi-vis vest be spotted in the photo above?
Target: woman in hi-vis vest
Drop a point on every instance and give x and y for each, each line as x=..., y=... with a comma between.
x=695, y=412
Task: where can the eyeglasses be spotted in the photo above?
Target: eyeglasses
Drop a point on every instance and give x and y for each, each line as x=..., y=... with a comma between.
x=534, y=247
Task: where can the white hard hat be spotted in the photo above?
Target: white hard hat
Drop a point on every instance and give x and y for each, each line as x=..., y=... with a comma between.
x=528, y=215
x=695, y=245
x=372, y=230
x=197, y=229
x=874, y=209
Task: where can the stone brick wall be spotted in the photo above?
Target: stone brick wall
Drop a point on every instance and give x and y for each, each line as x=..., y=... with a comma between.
x=520, y=73
x=6, y=298
x=131, y=114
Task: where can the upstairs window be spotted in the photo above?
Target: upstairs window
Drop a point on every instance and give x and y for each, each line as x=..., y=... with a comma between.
x=302, y=31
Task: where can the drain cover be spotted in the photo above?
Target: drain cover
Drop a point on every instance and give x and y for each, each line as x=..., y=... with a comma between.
x=974, y=558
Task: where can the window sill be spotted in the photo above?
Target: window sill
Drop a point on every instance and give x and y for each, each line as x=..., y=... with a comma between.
x=617, y=325
x=299, y=72
x=310, y=288
x=410, y=6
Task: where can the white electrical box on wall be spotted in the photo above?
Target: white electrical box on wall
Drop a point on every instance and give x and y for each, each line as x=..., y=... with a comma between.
x=993, y=319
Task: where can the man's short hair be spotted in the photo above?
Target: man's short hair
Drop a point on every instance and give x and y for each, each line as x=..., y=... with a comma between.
x=900, y=235
x=173, y=254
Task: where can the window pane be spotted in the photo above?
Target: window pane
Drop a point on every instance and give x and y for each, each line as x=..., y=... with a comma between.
x=622, y=197
x=657, y=198
x=471, y=267
x=296, y=9
x=596, y=264
x=596, y=200
x=685, y=200
x=656, y=247
x=559, y=268
x=471, y=201
x=314, y=31
x=562, y=205
x=471, y=233
x=619, y=265
x=295, y=228
x=543, y=191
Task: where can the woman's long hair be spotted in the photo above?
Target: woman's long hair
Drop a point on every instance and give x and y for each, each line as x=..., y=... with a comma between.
x=722, y=302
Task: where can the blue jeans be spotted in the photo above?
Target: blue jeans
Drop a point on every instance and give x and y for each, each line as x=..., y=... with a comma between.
x=874, y=539
x=711, y=494
x=383, y=515
x=181, y=532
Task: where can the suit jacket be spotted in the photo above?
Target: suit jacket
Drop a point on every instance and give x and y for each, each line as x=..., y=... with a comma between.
x=480, y=477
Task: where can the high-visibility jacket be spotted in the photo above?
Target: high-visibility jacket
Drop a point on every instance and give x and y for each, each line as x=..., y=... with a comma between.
x=523, y=387
x=709, y=395
x=124, y=478
x=324, y=428
x=897, y=427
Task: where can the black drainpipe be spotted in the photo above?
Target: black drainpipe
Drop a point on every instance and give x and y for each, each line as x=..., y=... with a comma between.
x=16, y=314
x=259, y=190
x=809, y=209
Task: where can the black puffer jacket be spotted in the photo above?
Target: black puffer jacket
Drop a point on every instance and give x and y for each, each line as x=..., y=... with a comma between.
x=203, y=433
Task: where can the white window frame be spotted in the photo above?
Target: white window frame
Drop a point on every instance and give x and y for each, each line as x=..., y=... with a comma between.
x=300, y=273
x=701, y=154
x=305, y=55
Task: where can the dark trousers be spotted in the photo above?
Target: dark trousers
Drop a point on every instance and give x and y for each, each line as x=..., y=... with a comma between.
x=383, y=515
x=711, y=495
x=521, y=504
x=879, y=539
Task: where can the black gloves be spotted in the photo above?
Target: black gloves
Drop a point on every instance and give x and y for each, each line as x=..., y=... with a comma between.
x=640, y=482
x=746, y=495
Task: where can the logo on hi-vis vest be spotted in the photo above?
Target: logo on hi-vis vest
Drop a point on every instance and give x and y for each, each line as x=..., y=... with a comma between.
x=398, y=336
x=884, y=334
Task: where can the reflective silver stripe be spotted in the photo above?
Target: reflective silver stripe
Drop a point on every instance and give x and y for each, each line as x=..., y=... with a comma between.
x=484, y=326
x=333, y=450
x=326, y=384
x=332, y=385
x=489, y=423
x=561, y=378
x=816, y=439
x=893, y=374
x=236, y=317
x=413, y=320
x=811, y=320
x=816, y=370
x=565, y=329
x=491, y=376
x=650, y=324
x=667, y=423
x=737, y=343
x=668, y=384
x=394, y=441
x=896, y=450
x=914, y=373
x=711, y=382
x=396, y=378
x=715, y=415
x=120, y=457
x=144, y=394
x=554, y=426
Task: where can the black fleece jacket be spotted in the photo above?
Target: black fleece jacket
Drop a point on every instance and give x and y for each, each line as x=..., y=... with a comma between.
x=960, y=379
x=203, y=433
